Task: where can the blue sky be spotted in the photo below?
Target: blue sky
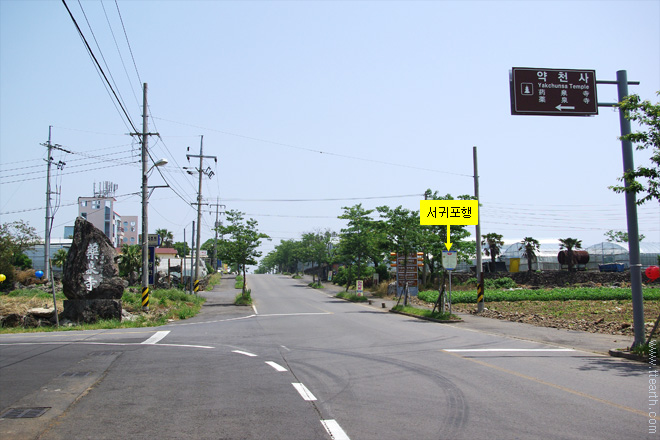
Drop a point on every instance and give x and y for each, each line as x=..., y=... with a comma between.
x=319, y=101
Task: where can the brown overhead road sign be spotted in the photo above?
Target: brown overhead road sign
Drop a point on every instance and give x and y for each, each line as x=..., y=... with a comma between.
x=553, y=92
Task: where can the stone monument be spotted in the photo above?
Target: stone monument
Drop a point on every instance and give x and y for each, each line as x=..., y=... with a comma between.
x=91, y=279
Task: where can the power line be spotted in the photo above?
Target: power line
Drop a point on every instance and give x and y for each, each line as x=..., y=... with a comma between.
x=98, y=66
x=119, y=53
x=310, y=150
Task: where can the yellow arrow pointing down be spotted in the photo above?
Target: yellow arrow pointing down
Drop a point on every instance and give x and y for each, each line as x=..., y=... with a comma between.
x=448, y=243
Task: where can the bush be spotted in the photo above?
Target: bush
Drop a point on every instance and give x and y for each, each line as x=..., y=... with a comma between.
x=27, y=277
x=353, y=297
x=498, y=283
x=244, y=300
x=21, y=261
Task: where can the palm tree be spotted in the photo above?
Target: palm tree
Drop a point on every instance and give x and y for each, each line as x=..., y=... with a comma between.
x=166, y=237
x=130, y=262
x=60, y=257
x=569, y=244
x=493, y=244
x=530, y=246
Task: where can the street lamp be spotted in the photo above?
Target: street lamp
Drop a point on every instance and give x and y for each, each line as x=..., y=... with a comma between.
x=145, y=229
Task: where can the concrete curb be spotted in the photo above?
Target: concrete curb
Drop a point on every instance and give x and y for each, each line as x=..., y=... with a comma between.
x=614, y=352
x=427, y=318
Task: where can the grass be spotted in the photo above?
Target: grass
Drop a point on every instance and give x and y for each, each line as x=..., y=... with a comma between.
x=315, y=285
x=214, y=279
x=644, y=350
x=164, y=305
x=244, y=300
x=238, y=284
x=425, y=313
x=556, y=294
x=353, y=297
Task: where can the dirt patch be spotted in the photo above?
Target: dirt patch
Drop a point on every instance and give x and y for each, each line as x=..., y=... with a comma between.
x=609, y=317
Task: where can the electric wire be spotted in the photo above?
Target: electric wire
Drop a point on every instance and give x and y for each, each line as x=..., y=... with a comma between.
x=100, y=69
x=121, y=98
x=119, y=53
x=311, y=150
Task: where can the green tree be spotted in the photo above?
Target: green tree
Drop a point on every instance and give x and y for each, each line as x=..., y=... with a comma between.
x=316, y=248
x=569, y=244
x=401, y=228
x=645, y=179
x=530, y=246
x=240, y=247
x=182, y=249
x=130, y=262
x=620, y=236
x=60, y=257
x=433, y=238
x=355, y=241
x=15, y=238
x=166, y=238
x=493, y=245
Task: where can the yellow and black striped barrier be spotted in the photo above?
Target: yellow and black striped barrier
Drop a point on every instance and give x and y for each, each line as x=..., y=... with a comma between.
x=145, y=298
x=480, y=293
x=196, y=286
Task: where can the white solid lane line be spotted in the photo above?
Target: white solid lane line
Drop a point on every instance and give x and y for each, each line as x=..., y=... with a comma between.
x=276, y=366
x=156, y=337
x=244, y=353
x=334, y=430
x=504, y=350
x=304, y=392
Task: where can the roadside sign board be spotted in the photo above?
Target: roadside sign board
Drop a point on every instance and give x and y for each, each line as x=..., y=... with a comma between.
x=152, y=263
x=360, y=287
x=449, y=259
x=407, y=269
x=153, y=239
x=553, y=92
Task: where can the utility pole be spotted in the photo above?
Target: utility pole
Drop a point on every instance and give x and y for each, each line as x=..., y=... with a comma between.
x=144, y=136
x=49, y=159
x=215, y=243
x=49, y=214
x=199, y=198
x=480, y=287
x=192, y=239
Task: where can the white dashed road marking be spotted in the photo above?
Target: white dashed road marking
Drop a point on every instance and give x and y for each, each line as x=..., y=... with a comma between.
x=244, y=353
x=334, y=430
x=156, y=337
x=504, y=350
x=304, y=392
x=276, y=366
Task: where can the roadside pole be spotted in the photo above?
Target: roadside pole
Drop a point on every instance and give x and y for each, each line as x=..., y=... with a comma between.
x=631, y=215
x=480, y=296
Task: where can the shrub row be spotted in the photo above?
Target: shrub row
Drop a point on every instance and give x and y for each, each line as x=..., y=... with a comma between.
x=558, y=294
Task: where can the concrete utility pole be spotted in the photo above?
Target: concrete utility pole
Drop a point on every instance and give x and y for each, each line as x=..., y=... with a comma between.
x=217, y=223
x=480, y=299
x=199, y=198
x=49, y=159
x=144, y=136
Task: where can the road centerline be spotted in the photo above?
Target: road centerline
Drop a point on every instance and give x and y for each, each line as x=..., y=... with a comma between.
x=153, y=340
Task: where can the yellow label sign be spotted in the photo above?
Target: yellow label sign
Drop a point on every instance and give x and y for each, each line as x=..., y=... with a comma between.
x=448, y=212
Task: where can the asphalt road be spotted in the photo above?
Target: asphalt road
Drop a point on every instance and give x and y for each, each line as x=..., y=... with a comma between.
x=301, y=364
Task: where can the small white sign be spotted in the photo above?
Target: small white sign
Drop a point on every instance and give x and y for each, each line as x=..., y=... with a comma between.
x=449, y=259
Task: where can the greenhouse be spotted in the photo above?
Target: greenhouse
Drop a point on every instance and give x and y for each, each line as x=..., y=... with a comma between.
x=546, y=257
x=600, y=254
